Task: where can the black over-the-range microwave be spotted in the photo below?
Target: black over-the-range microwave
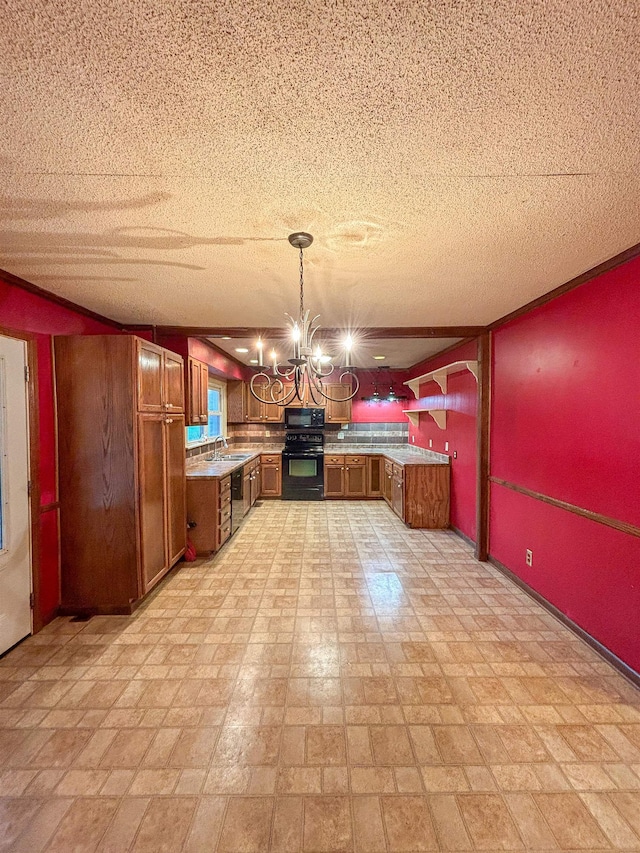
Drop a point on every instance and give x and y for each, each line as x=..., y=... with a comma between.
x=304, y=418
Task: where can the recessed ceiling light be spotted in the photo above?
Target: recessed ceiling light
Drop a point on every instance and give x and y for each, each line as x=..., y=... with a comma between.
x=379, y=357
x=253, y=361
x=241, y=349
x=225, y=338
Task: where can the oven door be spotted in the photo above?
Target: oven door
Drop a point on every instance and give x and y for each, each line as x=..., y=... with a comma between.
x=302, y=476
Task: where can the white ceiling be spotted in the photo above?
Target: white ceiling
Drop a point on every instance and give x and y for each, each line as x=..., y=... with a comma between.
x=453, y=160
x=398, y=352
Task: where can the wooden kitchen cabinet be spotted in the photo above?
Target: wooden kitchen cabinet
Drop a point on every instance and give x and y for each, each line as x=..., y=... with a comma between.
x=250, y=484
x=333, y=476
x=121, y=469
x=375, y=475
x=387, y=482
x=397, y=491
x=209, y=509
x=271, y=475
x=197, y=392
x=243, y=407
x=355, y=476
x=339, y=412
x=159, y=378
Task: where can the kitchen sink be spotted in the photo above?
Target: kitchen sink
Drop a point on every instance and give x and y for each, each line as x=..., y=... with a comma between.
x=234, y=457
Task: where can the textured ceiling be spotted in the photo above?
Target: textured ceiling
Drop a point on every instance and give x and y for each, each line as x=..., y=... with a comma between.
x=398, y=352
x=454, y=160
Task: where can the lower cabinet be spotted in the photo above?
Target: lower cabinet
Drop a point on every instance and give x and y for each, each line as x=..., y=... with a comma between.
x=209, y=509
x=387, y=482
x=271, y=475
x=345, y=476
x=397, y=491
x=250, y=484
x=375, y=474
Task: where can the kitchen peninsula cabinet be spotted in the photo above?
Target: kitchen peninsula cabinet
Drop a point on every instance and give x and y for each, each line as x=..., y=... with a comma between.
x=209, y=511
x=345, y=476
x=121, y=429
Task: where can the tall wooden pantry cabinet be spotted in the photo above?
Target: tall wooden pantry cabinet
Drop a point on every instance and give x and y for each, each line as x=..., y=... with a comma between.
x=121, y=455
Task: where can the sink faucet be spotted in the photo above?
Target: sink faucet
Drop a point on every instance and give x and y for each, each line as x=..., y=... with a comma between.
x=217, y=454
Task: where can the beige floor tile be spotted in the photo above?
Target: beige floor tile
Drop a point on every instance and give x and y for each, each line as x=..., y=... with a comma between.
x=347, y=685
x=408, y=824
x=247, y=825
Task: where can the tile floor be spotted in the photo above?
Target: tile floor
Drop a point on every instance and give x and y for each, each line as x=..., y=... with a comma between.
x=332, y=681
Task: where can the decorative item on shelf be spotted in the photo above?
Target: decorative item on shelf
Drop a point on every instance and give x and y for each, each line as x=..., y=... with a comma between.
x=307, y=369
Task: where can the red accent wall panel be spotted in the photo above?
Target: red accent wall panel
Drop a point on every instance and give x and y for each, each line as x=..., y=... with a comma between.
x=588, y=571
x=365, y=412
x=565, y=415
x=461, y=404
x=22, y=311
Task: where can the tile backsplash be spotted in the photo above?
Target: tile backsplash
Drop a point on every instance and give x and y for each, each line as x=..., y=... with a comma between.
x=394, y=433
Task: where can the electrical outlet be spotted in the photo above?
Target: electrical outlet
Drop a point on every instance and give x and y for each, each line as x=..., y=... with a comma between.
x=413, y=439
x=529, y=557
x=455, y=454
x=430, y=442
x=446, y=446
x=267, y=433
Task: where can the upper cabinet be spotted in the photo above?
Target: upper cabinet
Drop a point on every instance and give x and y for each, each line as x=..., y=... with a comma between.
x=338, y=412
x=160, y=378
x=242, y=406
x=197, y=392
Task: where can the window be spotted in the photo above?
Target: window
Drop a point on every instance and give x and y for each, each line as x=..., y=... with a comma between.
x=217, y=420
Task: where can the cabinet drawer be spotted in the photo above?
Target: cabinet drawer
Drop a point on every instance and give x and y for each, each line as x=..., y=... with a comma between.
x=355, y=460
x=388, y=467
x=225, y=500
x=225, y=513
x=271, y=458
x=225, y=531
x=334, y=460
x=225, y=485
x=398, y=470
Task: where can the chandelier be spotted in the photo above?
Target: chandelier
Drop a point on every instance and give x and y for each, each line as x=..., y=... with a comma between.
x=302, y=377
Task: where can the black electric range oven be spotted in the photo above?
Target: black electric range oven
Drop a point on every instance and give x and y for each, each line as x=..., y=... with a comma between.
x=303, y=465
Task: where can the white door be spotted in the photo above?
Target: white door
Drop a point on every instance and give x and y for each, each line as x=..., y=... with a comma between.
x=15, y=536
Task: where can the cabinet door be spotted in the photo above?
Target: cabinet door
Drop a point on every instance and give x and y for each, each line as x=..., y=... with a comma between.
x=149, y=364
x=204, y=392
x=173, y=382
x=398, y=495
x=387, y=483
x=236, y=394
x=253, y=409
x=375, y=474
x=338, y=412
x=272, y=414
x=176, y=487
x=255, y=485
x=152, y=492
x=271, y=479
x=246, y=491
x=194, y=409
x=355, y=480
x=333, y=481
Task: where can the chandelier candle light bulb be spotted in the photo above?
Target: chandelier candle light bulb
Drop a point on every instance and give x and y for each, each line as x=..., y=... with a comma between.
x=305, y=371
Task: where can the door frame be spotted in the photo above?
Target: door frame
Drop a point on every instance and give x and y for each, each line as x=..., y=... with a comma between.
x=34, y=468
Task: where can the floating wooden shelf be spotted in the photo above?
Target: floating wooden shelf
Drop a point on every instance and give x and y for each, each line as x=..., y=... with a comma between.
x=439, y=416
x=440, y=376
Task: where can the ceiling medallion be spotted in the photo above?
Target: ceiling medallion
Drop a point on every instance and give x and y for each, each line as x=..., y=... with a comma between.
x=303, y=375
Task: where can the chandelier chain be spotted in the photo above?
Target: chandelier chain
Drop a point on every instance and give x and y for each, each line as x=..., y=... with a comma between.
x=301, y=287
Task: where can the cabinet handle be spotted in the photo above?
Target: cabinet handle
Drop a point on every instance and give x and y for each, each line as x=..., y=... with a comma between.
x=347, y=467
x=168, y=420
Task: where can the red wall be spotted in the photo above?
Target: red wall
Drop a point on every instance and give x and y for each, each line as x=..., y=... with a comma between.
x=364, y=412
x=23, y=311
x=217, y=361
x=565, y=414
x=460, y=402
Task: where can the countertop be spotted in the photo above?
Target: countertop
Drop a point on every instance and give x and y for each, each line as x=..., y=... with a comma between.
x=200, y=468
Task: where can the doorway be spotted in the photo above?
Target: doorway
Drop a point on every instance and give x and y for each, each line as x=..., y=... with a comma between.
x=15, y=521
